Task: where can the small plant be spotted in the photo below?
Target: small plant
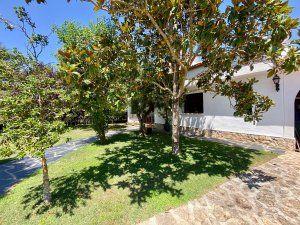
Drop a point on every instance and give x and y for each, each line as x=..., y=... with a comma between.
x=68, y=139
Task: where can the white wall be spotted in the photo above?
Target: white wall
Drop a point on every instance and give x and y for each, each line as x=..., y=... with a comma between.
x=157, y=117
x=277, y=122
x=131, y=118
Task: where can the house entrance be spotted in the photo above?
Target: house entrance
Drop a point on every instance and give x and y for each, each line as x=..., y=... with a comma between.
x=297, y=121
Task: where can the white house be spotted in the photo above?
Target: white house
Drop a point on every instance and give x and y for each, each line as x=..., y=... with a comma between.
x=214, y=116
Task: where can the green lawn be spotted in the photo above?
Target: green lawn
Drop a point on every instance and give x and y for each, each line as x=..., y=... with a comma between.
x=74, y=134
x=71, y=135
x=84, y=132
x=126, y=181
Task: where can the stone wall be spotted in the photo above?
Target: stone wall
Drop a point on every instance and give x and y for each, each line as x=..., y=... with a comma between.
x=276, y=142
x=159, y=127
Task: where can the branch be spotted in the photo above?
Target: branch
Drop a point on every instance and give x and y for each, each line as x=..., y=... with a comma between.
x=162, y=88
x=191, y=81
x=191, y=17
x=157, y=27
x=166, y=39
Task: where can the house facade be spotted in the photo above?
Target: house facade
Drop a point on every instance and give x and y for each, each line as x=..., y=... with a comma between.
x=205, y=115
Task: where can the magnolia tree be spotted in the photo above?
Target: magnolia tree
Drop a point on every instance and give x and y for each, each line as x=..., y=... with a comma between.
x=223, y=37
x=144, y=98
x=146, y=79
x=33, y=99
x=89, y=61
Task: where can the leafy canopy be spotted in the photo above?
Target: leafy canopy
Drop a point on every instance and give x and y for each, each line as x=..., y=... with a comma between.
x=32, y=105
x=247, y=31
x=90, y=63
x=222, y=37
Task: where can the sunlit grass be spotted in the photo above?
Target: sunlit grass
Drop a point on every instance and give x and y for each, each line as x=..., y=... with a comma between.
x=126, y=181
x=76, y=133
x=72, y=134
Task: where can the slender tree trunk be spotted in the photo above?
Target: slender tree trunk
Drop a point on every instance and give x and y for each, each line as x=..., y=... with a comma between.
x=99, y=124
x=102, y=136
x=142, y=125
x=175, y=127
x=175, y=115
x=46, y=182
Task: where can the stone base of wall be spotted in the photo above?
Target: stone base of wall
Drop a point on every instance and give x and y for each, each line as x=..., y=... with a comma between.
x=275, y=142
x=159, y=127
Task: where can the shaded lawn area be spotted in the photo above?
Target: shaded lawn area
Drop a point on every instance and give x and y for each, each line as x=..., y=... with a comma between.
x=81, y=132
x=126, y=181
x=74, y=133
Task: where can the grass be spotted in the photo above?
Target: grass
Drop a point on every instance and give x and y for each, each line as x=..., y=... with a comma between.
x=126, y=181
x=73, y=134
x=84, y=132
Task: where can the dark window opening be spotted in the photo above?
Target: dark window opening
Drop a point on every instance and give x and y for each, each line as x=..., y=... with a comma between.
x=134, y=107
x=193, y=103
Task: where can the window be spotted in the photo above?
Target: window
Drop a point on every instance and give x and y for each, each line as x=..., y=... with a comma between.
x=134, y=107
x=193, y=103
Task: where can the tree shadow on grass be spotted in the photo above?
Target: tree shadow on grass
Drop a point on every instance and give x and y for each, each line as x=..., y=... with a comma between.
x=6, y=160
x=145, y=166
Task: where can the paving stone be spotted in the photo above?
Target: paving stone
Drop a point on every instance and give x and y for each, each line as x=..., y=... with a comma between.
x=268, y=195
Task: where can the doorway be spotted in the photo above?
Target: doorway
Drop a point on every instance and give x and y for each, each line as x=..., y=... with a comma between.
x=297, y=121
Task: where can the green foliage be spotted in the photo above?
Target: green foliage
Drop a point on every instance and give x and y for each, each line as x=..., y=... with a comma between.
x=246, y=32
x=143, y=98
x=90, y=62
x=150, y=78
x=224, y=38
x=146, y=95
x=33, y=102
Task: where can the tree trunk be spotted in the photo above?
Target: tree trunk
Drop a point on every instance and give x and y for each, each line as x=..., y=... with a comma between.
x=101, y=136
x=175, y=127
x=175, y=115
x=142, y=125
x=46, y=182
x=99, y=123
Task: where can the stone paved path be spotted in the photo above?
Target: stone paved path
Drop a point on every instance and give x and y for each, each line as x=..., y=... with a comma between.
x=268, y=195
x=16, y=170
x=248, y=145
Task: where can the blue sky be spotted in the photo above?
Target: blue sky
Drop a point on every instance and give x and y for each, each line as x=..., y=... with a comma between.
x=55, y=12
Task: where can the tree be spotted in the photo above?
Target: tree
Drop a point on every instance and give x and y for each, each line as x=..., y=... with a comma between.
x=145, y=97
x=245, y=32
x=142, y=102
x=32, y=105
x=33, y=100
x=35, y=42
x=90, y=63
